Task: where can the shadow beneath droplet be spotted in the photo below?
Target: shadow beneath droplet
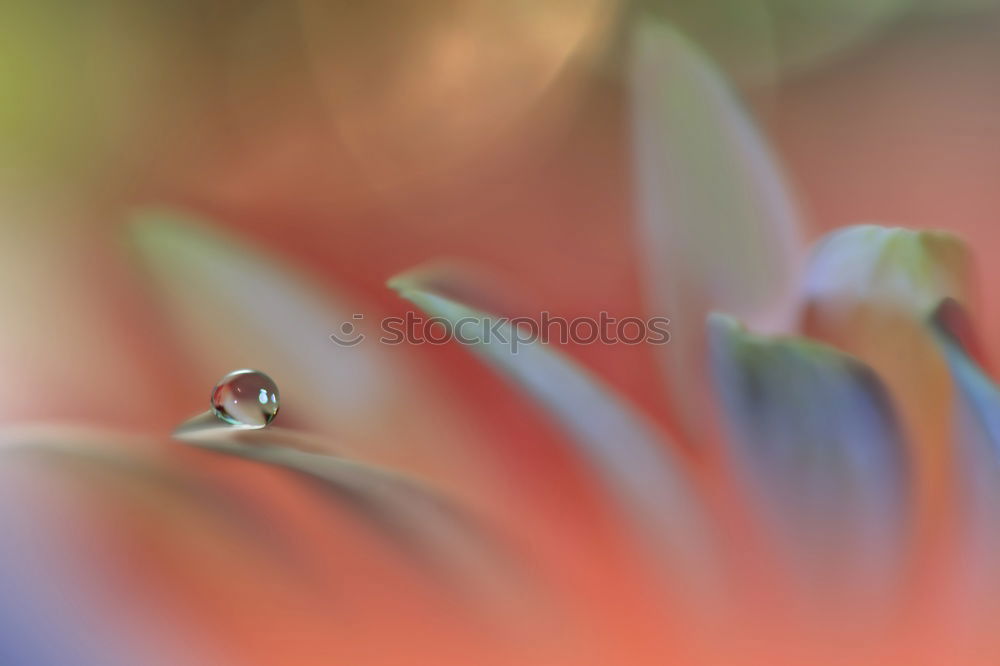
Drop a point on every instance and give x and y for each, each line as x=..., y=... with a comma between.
x=207, y=428
x=207, y=424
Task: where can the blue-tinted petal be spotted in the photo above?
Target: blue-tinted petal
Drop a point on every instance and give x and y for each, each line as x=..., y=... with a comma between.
x=634, y=460
x=973, y=544
x=814, y=439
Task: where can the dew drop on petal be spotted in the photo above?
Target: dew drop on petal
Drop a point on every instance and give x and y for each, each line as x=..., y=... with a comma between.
x=247, y=398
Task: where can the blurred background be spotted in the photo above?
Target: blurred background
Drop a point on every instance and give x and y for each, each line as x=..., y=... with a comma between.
x=349, y=141
x=358, y=141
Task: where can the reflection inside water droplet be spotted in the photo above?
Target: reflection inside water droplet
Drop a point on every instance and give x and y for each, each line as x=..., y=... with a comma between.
x=246, y=398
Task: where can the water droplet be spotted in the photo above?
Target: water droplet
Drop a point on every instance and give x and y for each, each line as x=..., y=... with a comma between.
x=246, y=398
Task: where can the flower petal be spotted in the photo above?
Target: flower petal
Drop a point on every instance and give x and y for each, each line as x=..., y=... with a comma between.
x=433, y=531
x=977, y=450
x=814, y=438
x=976, y=390
x=974, y=540
x=238, y=308
x=634, y=461
x=717, y=226
x=192, y=552
x=868, y=291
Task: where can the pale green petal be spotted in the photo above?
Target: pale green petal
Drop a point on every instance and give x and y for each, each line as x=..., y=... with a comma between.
x=751, y=37
x=717, y=226
x=235, y=307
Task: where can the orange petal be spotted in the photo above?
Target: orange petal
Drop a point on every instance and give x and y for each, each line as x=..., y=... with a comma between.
x=868, y=291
